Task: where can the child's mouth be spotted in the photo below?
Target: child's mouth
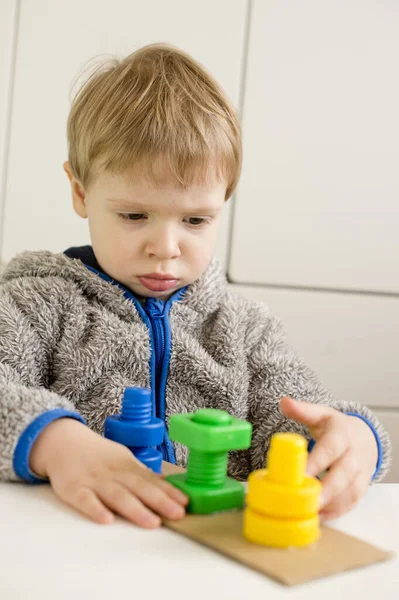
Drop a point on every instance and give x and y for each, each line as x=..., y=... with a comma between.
x=157, y=283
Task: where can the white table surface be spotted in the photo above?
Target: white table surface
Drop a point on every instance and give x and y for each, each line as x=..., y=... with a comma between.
x=47, y=551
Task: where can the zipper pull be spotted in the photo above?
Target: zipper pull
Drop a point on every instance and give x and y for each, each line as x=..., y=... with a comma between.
x=155, y=307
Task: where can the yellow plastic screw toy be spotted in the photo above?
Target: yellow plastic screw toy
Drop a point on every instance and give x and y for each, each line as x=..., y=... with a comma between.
x=282, y=501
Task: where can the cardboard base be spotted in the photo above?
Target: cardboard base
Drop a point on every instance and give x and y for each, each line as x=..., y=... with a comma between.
x=335, y=552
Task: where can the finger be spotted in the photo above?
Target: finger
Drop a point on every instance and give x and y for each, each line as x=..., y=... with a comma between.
x=84, y=500
x=347, y=500
x=339, y=478
x=122, y=501
x=167, y=487
x=153, y=496
x=335, y=514
x=174, y=493
x=328, y=449
x=313, y=416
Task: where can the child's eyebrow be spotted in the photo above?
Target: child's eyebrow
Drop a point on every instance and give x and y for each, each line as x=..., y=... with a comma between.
x=127, y=205
x=123, y=203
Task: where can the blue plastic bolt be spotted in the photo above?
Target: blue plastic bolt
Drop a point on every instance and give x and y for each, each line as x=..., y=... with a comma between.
x=136, y=428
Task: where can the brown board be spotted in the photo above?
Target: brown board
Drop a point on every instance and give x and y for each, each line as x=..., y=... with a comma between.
x=333, y=553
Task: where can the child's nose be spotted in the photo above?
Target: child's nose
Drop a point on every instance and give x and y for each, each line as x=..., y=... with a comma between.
x=163, y=245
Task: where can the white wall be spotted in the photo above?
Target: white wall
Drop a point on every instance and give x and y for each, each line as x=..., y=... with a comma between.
x=319, y=192
x=315, y=224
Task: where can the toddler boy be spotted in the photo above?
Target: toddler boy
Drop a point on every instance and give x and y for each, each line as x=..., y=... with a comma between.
x=154, y=153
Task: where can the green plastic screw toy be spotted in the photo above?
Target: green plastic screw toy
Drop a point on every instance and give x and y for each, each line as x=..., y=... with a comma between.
x=209, y=434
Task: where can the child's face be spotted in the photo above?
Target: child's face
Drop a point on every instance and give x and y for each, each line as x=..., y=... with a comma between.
x=153, y=240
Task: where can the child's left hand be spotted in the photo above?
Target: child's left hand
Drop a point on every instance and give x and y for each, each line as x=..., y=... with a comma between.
x=345, y=445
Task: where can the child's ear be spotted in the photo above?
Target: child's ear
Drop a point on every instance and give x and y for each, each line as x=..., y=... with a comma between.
x=78, y=192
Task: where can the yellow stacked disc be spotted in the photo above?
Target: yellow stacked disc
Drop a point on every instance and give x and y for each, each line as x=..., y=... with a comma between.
x=282, y=501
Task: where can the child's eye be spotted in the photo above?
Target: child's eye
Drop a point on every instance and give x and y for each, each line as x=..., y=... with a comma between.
x=196, y=221
x=131, y=216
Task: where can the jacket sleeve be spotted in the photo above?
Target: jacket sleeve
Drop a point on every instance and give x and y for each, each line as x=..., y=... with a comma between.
x=31, y=321
x=275, y=370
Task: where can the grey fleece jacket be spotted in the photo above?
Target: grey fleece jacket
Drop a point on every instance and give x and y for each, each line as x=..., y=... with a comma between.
x=71, y=340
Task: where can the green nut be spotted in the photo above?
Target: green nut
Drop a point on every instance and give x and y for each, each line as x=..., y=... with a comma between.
x=210, y=430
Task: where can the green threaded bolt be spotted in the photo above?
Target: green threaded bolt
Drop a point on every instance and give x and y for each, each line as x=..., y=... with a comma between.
x=209, y=434
x=206, y=469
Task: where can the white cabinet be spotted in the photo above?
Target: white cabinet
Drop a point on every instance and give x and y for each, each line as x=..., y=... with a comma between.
x=8, y=18
x=318, y=202
x=56, y=39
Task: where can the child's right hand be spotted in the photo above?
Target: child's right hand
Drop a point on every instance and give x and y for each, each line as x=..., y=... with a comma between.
x=99, y=477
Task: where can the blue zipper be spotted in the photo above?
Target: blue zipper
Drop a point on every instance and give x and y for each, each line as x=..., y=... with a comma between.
x=158, y=312
x=155, y=315
x=155, y=309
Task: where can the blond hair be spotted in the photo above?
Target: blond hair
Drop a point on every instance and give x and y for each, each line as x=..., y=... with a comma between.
x=157, y=107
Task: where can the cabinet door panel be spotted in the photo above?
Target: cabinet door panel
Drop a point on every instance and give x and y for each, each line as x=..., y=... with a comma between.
x=317, y=205
x=8, y=18
x=390, y=420
x=351, y=341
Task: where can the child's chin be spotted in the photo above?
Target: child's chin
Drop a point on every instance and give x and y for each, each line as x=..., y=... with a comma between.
x=156, y=295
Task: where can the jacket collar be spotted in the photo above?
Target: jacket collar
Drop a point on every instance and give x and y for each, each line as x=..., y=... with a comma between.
x=203, y=296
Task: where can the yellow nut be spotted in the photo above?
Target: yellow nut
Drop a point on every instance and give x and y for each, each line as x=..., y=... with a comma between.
x=280, y=533
x=275, y=500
